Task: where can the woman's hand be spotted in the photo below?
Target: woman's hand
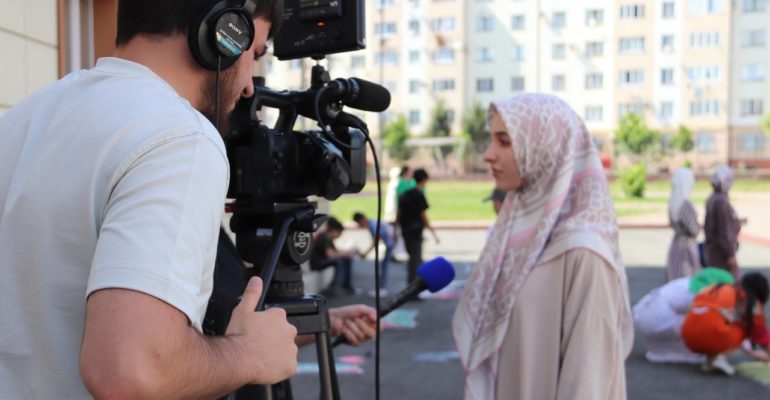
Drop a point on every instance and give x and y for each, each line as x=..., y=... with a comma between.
x=357, y=323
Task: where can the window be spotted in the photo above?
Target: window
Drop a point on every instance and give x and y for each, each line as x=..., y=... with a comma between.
x=390, y=85
x=485, y=24
x=704, y=107
x=443, y=24
x=484, y=54
x=485, y=85
x=633, y=108
x=751, y=107
x=594, y=113
x=594, y=49
x=594, y=17
x=704, y=142
x=701, y=7
x=444, y=55
x=441, y=85
x=386, y=57
x=667, y=76
x=383, y=3
x=295, y=64
x=704, y=73
x=631, y=77
x=753, y=73
x=667, y=43
x=414, y=117
x=753, y=38
x=414, y=86
x=704, y=39
x=450, y=115
x=666, y=110
x=357, y=61
x=594, y=80
x=632, y=45
x=668, y=10
x=632, y=11
x=385, y=29
x=517, y=53
x=517, y=22
x=751, y=141
x=558, y=82
x=414, y=56
x=559, y=20
x=517, y=84
x=558, y=51
x=754, y=6
x=414, y=26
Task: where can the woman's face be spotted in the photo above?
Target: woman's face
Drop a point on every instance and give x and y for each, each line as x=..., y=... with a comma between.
x=499, y=155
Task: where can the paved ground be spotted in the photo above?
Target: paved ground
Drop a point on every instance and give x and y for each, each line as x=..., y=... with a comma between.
x=408, y=373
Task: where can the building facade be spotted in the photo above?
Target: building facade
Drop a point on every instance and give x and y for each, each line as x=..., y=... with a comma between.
x=694, y=63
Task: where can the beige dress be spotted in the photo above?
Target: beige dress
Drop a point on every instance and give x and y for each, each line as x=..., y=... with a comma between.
x=564, y=340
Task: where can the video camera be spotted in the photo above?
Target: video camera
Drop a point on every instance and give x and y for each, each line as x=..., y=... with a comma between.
x=274, y=169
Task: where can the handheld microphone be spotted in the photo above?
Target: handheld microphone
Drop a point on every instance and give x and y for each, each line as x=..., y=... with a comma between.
x=359, y=94
x=433, y=275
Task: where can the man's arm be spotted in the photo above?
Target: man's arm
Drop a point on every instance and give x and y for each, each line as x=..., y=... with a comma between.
x=426, y=223
x=137, y=346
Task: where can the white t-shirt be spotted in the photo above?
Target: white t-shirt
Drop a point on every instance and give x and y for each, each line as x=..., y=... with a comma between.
x=108, y=179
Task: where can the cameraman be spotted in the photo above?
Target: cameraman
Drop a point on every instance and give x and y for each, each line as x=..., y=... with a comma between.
x=112, y=182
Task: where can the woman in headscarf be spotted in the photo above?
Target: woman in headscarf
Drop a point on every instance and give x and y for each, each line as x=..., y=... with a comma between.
x=545, y=313
x=683, y=255
x=722, y=225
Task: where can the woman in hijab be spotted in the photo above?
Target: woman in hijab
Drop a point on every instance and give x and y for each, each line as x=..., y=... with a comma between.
x=683, y=255
x=722, y=225
x=545, y=313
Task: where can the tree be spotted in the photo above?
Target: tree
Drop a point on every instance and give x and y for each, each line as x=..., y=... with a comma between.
x=635, y=138
x=395, y=136
x=440, y=125
x=475, y=128
x=766, y=124
x=683, y=141
x=638, y=141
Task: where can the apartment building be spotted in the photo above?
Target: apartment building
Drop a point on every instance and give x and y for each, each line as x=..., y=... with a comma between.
x=697, y=63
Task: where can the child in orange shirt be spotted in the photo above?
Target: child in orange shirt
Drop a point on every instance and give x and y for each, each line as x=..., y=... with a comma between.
x=723, y=316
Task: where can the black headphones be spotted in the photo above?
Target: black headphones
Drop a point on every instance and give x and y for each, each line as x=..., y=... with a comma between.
x=222, y=33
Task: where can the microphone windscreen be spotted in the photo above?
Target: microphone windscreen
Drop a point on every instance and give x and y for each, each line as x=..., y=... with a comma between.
x=371, y=97
x=436, y=273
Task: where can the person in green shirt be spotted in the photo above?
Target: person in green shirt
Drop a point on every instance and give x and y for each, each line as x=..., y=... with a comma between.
x=405, y=182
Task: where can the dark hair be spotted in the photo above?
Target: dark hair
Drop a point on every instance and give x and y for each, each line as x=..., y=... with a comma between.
x=756, y=287
x=359, y=217
x=334, y=224
x=404, y=170
x=169, y=17
x=756, y=284
x=420, y=175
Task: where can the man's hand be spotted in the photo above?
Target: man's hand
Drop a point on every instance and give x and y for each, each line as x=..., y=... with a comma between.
x=357, y=322
x=266, y=336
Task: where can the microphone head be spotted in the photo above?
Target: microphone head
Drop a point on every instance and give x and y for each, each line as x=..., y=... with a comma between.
x=436, y=273
x=371, y=97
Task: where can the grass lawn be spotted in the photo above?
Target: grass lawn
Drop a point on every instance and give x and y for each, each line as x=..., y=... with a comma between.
x=462, y=200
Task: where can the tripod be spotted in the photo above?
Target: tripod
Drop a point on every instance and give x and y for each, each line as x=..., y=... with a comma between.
x=279, y=256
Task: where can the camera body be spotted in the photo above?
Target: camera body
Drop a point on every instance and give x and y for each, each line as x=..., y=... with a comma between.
x=273, y=165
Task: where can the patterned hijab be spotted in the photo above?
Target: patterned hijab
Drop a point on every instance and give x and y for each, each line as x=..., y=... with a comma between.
x=681, y=187
x=723, y=178
x=563, y=204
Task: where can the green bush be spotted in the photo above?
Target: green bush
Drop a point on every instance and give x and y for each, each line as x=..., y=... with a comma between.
x=634, y=180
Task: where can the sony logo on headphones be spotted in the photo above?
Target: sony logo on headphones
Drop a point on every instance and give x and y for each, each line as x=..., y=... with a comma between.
x=235, y=28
